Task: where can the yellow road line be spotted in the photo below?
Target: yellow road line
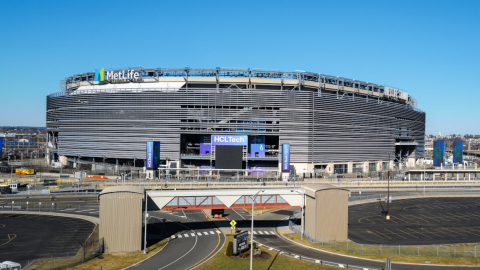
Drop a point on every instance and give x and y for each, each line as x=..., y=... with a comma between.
x=10, y=238
x=213, y=249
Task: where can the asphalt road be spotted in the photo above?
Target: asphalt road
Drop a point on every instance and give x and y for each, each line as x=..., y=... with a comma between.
x=270, y=221
x=195, y=239
x=25, y=238
x=422, y=221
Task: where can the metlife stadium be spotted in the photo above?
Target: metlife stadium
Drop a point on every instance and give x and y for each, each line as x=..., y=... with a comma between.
x=332, y=125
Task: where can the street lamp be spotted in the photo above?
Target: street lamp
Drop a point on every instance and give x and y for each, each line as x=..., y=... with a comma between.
x=251, y=234
x=388, y=190
x=303, y=206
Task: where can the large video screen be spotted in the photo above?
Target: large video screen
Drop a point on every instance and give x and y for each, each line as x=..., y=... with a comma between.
x=458, y=152
x=438, y=153
x=228, y=157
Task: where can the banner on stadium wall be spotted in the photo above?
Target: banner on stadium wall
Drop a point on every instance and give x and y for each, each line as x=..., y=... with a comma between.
x=285, y=157
x=256, y=146
x=153, y=154
x=438, y=153
x=229, y=140
x=205, y=145
x=1, y=149
x=458, y=152
x=258, y=167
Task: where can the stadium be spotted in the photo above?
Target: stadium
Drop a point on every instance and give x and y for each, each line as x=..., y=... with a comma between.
x=333, y=125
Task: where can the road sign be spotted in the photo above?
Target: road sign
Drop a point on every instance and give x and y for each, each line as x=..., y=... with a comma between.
x=233, y=223
x=240, y=242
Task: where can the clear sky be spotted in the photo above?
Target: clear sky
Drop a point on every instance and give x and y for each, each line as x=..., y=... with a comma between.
x=428, y=48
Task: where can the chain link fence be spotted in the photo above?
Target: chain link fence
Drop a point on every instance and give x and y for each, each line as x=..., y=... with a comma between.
x=460, y=250
x=88, y=250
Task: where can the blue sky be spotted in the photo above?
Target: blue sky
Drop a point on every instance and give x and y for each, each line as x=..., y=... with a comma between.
x=428, y=48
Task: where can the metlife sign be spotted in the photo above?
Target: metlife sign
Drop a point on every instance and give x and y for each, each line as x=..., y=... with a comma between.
x=229, y=139
x=113, y=76
x=285, y=157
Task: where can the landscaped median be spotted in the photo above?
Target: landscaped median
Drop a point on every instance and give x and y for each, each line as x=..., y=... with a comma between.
x=270, y=260
x=460, y=254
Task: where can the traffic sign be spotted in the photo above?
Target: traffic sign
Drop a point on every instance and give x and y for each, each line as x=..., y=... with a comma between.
x=233, y=223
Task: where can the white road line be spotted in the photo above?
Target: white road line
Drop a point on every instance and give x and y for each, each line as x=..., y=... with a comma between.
x=317, y=261
x=211, y=232
x=219, y=232
x=199, y=233
x=254, y=232
x=238, y=214
x=260, y=232
x=186, y=235
x=296, y=256
x=341, y=266
x=266, y=232
x=206, y=233
x=173, y=236
x=179, y=236
x=192, y=234
x=272, y=232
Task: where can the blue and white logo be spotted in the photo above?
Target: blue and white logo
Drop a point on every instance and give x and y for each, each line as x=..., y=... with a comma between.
x=229, y=139
x=285, y=157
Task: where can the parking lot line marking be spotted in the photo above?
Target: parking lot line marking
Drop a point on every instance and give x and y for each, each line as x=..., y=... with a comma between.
x=211, y=232
x=447, y=229
x=192, y=234
x=444, y=232
x=199, y=233
x=389, y=238
x=465, y=229
x=418, y=232
x=395, y=233
x=399, y=218
x=206, y=233
x=406, y=233
x=186, y=235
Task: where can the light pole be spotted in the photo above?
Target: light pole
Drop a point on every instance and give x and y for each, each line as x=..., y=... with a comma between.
x=388, y=192
x=145, y=235
x=251, y=233
x=303, y=206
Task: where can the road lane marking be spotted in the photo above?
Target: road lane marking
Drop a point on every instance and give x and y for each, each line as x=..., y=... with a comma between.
x=186, y=235
x=199, y=233
x=206, y=233
x=211, y=232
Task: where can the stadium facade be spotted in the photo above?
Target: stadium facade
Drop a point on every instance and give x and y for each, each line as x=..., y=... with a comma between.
x=333, y=124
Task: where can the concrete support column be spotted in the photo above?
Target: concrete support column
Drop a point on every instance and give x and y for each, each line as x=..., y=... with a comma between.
x=409, y=177
x=457, y=176
x=433, y=176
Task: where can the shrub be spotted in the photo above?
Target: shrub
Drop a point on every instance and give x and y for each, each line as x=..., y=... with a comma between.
x=229, y=249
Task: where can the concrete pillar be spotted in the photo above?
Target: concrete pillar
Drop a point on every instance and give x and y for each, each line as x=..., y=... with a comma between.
x=433, y=176
x=409, y=177
x=457, y=176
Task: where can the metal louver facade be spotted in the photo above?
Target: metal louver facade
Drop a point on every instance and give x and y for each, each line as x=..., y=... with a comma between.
x=322, y=123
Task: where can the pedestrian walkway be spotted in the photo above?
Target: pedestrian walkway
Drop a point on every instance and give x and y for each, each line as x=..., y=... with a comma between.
x=185, y=235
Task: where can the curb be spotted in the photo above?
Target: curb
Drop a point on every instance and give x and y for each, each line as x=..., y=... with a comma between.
x=148, y=256
x=95, y=220
x=372, y=260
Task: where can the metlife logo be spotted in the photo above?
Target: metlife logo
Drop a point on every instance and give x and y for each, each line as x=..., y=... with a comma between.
x=113, y=76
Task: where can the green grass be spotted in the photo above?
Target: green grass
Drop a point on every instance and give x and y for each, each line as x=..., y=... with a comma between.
x=276, y=261
x=103, y=262
x=407, y=254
